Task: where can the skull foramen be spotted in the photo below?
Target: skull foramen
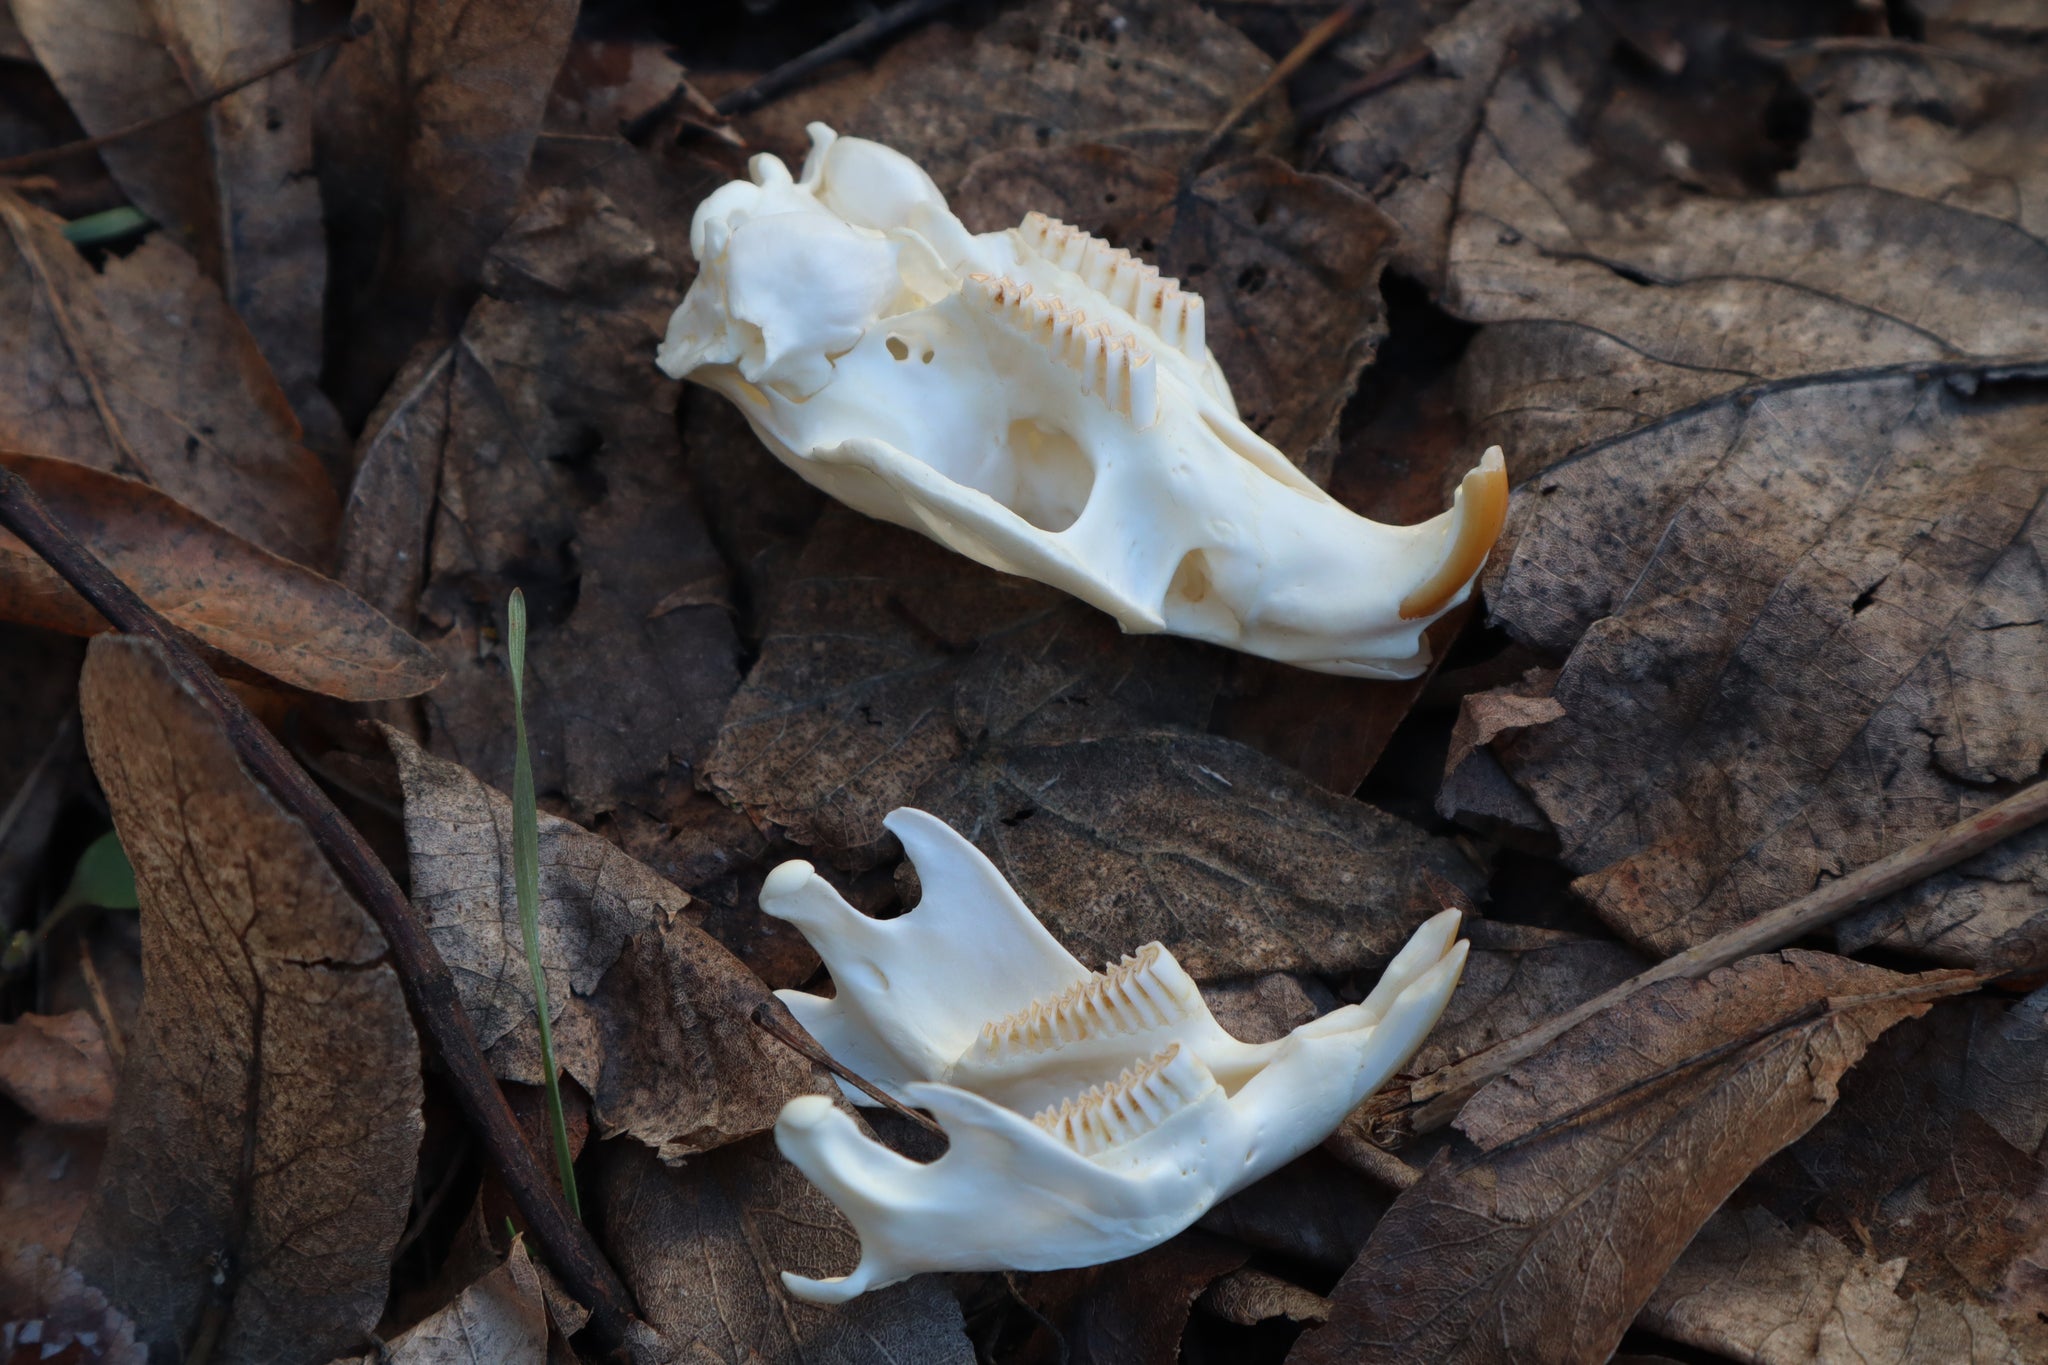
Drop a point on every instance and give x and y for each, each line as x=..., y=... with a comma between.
x=1044, y=403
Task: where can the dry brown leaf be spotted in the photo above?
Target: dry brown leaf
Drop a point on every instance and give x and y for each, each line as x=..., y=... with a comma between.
x=1315, y=1210
x=1603, y=1156
x=1516, y=977
x=423, y=131
x=1129, y=1312
x=701, y=1247
x=140, y=368
x=1934, y=1157
x=539, y=452
x=1249, y=1297
x=652, y=1016
x=46, y=1180
x=55, y=1315
x=248, y=603
x=260, y=1164
x=897, y=674
x=1753, y=1290
x=1805, y=628
x=1620, y=294
x=500, y=1320
x=1406, y=144
x=1153, y=76
x=57, y=1068
x=232, y=182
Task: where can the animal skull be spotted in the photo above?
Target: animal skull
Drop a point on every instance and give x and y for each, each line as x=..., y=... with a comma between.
x=1044, y=403
x=1089, y=1115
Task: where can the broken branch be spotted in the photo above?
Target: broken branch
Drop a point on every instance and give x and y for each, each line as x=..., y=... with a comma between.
x=1435, y=1099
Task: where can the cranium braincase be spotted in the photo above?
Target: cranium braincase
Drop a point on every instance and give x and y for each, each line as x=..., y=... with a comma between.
x=1044, y=403
x=1089, y=1115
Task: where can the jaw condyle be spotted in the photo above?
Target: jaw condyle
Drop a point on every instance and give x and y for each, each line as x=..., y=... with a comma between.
x=1046, y=404
x=1090, y=1115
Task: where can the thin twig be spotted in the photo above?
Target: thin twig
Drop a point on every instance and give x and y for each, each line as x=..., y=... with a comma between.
x=1440, y=1095
x=1398, y=69
x=1813, y=1011
x=1312, y=42
x=28, y=161
x=565, y=1243
x=752, y=96
x=764, y=1016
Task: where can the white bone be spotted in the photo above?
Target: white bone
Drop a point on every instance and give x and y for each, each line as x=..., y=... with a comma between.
x=1044, y=402
x=1090, y=1115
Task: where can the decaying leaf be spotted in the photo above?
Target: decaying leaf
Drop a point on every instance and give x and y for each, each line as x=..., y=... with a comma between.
x=895, y=674
x=57, y=1067
x=239, y=598
x=1805, y=626
x=1153, y=76
x=701, y=1247
x=1407, y=144
x=1619, y=294
x=539, y=452
x=50, y=1313
x=233, y=182
x=1599, y=1160
x=140, y=368
x=1314, y=1210
x=652, y=1016
x=1516, y=977
x=1248, y=1297
x=502, y=1319
x=46, y=1180
x=259, y=1167
x=1934, y=1159
x=1753, y=1290
x=1129, y=1312
x=424, y=128
x=39, y=750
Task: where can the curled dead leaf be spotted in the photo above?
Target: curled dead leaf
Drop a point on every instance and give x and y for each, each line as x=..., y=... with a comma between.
x=238, y=598
x=259, y=1167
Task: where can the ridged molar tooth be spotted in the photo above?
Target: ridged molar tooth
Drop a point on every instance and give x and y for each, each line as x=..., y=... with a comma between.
x=1110, y=362
x=1140, y=1099
x=1146, y=990
x=1127, y=281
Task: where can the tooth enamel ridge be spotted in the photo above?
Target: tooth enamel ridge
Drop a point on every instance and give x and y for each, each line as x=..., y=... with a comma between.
x=1111, y=364
x=1140, y=1099
x=1136, y=286
x=1146, y=990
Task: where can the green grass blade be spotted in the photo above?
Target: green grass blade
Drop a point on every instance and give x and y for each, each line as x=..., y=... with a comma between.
x=526, y=881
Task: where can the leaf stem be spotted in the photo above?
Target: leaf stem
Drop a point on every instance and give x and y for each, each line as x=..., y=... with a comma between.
x=526, y=885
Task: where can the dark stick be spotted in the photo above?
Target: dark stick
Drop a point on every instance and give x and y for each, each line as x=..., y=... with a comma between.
x=1312, y=42
x=1439, y=1096
x=750, y=97
x=28, y=161
x=764, y=1016
x=564, y=1242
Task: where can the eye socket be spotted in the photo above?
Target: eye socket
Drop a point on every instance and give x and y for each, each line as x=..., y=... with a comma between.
x=898, y=348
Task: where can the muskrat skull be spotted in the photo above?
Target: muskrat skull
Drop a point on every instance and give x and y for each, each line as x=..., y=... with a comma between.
x=1044, y=403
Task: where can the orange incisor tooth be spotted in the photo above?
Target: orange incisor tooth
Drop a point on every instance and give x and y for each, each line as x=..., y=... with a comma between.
x=1480, y=513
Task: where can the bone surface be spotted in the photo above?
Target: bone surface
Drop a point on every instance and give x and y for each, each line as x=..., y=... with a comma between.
x=1089, y=1115
x=1046, y=404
